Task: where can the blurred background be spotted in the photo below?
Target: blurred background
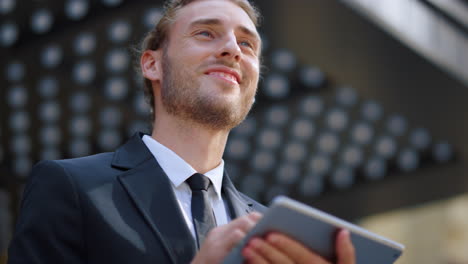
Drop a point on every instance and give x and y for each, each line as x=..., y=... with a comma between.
x=362, y=108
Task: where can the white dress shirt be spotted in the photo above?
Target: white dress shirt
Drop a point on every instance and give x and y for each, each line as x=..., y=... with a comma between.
x=178, y=170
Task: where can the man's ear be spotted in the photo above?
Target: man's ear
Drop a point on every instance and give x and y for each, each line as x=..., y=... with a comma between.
x=150, y=63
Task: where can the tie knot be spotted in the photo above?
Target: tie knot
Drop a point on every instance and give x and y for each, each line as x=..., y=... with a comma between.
x=198, y=182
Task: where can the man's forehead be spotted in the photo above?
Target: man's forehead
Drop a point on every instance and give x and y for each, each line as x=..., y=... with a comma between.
x=215, y=12
x=219, y=22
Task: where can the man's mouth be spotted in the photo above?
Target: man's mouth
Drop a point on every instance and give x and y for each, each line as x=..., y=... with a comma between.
x=225, y=76
x=225, y=73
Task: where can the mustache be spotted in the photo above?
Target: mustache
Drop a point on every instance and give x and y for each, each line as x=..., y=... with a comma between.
x=221, y=62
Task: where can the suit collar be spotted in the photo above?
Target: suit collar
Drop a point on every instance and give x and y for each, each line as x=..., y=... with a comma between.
x=238, y=206
x=149, y=188
x=132, y=153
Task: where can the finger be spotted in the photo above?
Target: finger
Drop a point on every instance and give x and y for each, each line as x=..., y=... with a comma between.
x=234, y=231
x=245, y=223
x=253, y=257
x=255, y=216
x=268, y=252
x=345, y=249
x=294, y=250
x=232, y=238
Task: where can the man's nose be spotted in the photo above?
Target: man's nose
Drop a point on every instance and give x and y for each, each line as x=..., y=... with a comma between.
x=230, y=49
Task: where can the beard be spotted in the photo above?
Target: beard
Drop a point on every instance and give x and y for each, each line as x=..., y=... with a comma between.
x=182, y=97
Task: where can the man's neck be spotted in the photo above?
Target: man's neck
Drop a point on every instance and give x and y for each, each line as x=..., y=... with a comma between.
x=200, y=147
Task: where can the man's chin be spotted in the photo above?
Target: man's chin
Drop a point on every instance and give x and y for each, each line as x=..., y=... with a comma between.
x=221, y=118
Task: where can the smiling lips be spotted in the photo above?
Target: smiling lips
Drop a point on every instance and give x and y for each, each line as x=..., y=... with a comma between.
x=225, y=74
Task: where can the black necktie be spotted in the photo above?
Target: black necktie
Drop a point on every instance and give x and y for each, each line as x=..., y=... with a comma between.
x=202, y=213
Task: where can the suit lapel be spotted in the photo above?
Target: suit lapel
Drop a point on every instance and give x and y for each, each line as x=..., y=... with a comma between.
x=150, y=189
x=238, y=206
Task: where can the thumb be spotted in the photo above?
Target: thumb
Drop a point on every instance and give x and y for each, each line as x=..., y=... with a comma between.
x=345, y=248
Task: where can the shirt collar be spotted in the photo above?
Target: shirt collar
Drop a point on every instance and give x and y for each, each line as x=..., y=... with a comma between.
x=177, y=169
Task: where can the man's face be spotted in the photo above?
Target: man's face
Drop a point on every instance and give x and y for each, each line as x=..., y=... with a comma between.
x=211, y=64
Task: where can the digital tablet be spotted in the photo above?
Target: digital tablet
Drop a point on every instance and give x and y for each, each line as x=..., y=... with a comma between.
x=317, y=230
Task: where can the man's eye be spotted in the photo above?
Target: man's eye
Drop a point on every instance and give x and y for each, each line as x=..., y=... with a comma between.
x=246, y=44
x=205, y=34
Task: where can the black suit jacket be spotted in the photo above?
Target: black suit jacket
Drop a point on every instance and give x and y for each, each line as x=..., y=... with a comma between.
x=108, y=208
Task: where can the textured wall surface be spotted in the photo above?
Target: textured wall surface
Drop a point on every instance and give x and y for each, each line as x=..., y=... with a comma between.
x=434, y=233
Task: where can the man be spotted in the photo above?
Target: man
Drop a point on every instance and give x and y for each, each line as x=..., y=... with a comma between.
x=201, y=65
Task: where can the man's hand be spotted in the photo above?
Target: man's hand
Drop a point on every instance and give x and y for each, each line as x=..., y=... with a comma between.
x=278, y=248
x=221, y=240
x=274, y=248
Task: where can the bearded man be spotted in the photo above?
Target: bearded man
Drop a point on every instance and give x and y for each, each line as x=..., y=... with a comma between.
x=143, y=203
